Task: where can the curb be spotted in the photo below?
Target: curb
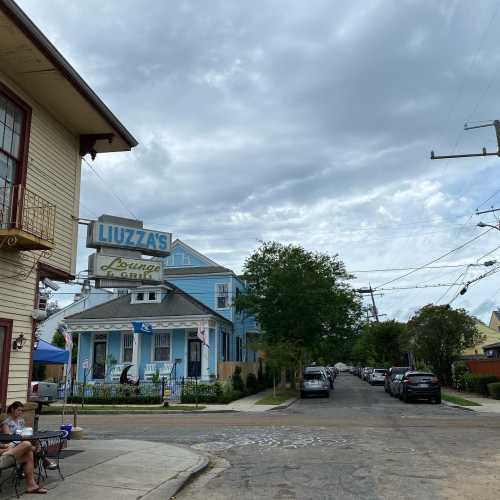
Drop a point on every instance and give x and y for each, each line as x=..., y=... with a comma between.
x=284, y=405
x=452, y=405
x=171, y=487
x=146, y=412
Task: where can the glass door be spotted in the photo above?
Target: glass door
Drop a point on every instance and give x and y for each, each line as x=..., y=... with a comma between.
x=194, y=358
x=99, y=361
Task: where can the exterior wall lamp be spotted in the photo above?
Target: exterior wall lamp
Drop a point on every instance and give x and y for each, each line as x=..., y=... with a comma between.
x=18, y=342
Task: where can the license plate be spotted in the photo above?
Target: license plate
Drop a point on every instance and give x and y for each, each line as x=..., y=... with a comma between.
x=423, y=385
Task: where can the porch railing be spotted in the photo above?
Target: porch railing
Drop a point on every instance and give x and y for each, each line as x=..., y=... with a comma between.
x=27, y=211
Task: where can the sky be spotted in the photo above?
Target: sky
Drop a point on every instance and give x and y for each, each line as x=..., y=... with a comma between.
x=304, y=122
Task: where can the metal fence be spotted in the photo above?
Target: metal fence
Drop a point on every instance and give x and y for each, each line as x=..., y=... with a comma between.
x=146, y=391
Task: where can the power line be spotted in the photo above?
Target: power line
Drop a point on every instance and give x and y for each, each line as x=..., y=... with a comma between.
x=110, y=190
x=434, y=260
x=406, y=268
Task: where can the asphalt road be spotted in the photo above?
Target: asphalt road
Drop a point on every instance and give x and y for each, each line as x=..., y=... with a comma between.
x=358, y=444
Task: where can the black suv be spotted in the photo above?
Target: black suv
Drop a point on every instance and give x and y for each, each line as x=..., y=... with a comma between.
x=416, y=385
x=391, y=373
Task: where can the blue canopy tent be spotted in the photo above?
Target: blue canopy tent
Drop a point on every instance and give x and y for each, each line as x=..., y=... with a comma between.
x=49, y=354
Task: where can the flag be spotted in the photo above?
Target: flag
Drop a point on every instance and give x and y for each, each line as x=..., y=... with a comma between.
x=201, y=335
x=140, y=327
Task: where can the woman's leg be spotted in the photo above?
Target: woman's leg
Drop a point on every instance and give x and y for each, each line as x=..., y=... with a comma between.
x=24, y=455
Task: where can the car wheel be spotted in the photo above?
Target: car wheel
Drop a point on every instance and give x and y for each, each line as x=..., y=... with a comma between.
x=405, y=398
x=302, y=395
x=327, y=394
x=437, y=400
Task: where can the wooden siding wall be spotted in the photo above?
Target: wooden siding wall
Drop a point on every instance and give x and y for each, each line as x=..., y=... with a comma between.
x=54, y=174
x=484, y=366
x=225, y=369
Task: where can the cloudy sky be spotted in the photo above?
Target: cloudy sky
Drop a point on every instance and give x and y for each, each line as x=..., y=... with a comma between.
x=305, y=122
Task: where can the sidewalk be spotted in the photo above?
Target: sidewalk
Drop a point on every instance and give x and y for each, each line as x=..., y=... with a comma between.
x=121, y=469
x=488, y=405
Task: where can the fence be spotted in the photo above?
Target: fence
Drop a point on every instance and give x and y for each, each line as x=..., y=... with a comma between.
x=144, y=392
x=484, y=366
x=225, y=369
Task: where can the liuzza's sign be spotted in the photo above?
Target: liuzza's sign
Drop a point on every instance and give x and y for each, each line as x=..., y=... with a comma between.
x=125, y=268
x=146, y=241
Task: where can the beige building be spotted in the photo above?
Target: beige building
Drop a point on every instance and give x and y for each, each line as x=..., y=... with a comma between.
x=49, y=119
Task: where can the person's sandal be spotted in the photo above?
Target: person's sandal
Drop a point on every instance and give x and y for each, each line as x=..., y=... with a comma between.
x=37, y=491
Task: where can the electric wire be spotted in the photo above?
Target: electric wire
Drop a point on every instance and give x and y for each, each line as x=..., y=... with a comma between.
x=434, y=260
x=111, y=190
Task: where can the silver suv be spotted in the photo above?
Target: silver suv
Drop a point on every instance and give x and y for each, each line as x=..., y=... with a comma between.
x=314, y=381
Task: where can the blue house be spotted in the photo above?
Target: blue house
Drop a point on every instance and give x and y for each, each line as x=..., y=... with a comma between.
x=195, y=302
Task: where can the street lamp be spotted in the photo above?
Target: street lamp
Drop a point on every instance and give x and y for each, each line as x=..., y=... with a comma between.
x=483, y=224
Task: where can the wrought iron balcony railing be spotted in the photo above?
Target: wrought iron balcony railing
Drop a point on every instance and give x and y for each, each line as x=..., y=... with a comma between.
x=26, y=220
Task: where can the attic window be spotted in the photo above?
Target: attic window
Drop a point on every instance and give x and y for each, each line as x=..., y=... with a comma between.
x=152, y=296
x=139, y=297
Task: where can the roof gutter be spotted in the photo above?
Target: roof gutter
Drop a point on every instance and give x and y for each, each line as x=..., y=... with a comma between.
x=24, y=23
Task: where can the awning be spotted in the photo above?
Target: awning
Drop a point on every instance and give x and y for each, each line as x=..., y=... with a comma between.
x=49, y=354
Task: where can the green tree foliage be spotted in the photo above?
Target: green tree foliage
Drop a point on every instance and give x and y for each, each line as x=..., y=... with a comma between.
x=58, y=340
x=381, y=344
x=439, y=334
x=301, y=300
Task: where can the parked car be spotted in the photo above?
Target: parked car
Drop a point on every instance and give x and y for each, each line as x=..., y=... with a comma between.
x=377, y=376
x=420, y=385
x=396, y=384
x=366, y=373
x=391, y=373
x=314, y=381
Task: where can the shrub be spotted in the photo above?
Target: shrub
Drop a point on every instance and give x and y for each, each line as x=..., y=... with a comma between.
x=252, y=385
x=238, y=384
x=483, y=381
x=494, y=390
x=478, y=383
x=117, y=400
x=459, y=369
x=201, y=393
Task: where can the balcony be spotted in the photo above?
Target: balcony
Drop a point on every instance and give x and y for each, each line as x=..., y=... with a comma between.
x=26, y=220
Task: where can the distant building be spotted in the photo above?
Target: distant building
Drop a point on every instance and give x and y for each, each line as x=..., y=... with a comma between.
x=86, y=299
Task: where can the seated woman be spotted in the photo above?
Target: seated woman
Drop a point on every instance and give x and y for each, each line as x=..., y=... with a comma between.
x=14, y=423
x=21, y=454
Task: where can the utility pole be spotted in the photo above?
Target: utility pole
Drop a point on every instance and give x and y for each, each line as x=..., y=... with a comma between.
x=495, y=124
x=370, y=291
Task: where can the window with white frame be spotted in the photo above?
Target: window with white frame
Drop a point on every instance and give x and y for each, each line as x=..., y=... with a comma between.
x=221, y=295
x=161, y=347
x=127, y=347
x=186, y=259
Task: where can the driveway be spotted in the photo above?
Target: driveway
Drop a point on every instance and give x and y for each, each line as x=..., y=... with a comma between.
x=358, y=444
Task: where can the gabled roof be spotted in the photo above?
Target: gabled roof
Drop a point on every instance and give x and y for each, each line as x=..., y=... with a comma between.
x=190, y=249
x=492, y=346
x=175, y=303
x=183, y=271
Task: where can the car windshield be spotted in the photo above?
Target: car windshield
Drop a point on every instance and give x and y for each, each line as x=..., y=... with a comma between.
x=312, y=376
x=379, y=371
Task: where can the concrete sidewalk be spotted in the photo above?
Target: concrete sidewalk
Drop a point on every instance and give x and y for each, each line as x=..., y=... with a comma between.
x=123, y=470
x=488, y=405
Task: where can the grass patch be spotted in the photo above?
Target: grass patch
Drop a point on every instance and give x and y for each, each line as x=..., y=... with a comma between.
x=281, y=397
x=459, y=401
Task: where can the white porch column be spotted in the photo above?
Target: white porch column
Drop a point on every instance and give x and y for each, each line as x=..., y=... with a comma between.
x=136, y=356
x=205, y=350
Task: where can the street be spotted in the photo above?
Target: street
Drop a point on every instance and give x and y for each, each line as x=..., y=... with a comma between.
x=359, y=443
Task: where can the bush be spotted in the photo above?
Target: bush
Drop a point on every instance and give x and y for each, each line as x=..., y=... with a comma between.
x=117, y=400
x=252, y=385
x=478, y=383
x=459, y=369
x=238, y=384
x=201, y=393
x=494, y=390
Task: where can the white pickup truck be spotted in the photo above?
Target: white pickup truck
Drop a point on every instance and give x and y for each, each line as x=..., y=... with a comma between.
x=43, y=393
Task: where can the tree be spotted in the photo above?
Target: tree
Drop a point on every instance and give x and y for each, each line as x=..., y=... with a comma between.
x=58, y=339
x=381, y=344
x=301, y=300
x=439, y=334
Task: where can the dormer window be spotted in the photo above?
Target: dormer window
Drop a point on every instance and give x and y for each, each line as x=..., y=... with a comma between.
x=139, y=297
x=146, y=297
x=152, y=296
